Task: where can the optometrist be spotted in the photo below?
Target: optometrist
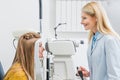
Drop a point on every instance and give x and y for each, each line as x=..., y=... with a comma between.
x=104, y=44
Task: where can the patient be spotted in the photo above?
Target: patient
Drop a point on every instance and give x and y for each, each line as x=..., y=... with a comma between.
x=23, y=64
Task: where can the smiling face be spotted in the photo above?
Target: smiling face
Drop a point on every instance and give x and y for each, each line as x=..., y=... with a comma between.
x=89, y=22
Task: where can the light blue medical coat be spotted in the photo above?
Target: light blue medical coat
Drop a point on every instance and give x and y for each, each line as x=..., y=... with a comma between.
x=104, y=58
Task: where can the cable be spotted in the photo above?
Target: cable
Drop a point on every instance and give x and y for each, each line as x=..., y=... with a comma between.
x=81, y=74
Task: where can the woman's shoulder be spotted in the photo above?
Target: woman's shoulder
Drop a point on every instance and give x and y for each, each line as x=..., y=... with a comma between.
x=16, y=72
x=110, y=37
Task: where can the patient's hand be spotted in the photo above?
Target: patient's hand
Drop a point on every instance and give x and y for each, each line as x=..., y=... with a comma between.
x=41, y=49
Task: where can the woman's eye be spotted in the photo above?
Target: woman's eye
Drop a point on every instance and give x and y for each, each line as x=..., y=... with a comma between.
x=84, y=18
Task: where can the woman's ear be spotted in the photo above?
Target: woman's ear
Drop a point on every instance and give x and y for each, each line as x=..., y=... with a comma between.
x=96, y=19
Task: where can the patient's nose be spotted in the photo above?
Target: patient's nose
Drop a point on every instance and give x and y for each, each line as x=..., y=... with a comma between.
x=41, y=49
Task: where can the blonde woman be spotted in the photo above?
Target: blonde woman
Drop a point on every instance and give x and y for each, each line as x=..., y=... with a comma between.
x=23, y=64
x=104, y=44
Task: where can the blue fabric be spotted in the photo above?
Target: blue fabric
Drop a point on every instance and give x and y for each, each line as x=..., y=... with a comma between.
x=104, y=58
x=94, y=39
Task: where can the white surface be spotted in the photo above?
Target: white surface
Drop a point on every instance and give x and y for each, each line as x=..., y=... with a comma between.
x=68, y=11
x=61, y=47
x=64, y=66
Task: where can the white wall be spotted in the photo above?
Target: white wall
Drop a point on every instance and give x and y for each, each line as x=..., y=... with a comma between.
x=113, y=11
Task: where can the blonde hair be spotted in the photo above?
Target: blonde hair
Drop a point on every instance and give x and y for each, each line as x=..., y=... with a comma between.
x=25, y=53
x=94, y=9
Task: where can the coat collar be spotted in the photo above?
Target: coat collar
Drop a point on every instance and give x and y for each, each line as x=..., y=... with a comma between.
x=99, y=36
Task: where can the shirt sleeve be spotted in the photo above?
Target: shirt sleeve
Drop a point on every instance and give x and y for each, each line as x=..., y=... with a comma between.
x=112, y=49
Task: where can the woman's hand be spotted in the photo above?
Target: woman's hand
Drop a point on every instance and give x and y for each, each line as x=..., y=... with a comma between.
x=84, y=71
